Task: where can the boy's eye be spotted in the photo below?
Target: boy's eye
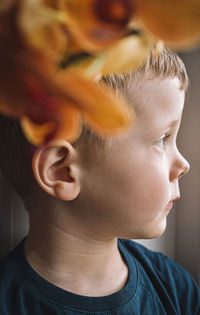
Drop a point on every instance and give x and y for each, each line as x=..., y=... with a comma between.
x=161, y=142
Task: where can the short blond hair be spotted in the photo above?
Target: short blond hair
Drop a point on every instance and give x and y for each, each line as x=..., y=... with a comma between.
x=166, y=65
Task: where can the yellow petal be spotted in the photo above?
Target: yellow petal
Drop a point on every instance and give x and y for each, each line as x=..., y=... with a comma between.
x=127, y=54
x=40, y=30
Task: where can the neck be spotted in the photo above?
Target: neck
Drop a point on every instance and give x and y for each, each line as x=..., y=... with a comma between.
x=74, y=262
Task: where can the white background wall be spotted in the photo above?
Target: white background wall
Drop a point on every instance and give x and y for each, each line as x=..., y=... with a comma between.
x=181, y=240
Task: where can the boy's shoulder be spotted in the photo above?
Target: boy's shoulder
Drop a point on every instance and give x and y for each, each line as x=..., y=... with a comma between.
x=149, y=258
x=155, y=262
x=164, y=274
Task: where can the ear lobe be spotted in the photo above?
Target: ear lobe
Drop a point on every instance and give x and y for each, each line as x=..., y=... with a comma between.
x=56, y=170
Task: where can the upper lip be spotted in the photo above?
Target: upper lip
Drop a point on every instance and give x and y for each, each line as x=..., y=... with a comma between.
x=175, y=199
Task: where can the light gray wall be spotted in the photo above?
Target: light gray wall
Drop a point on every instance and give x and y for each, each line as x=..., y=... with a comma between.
x=13, y=217
x=188, y=207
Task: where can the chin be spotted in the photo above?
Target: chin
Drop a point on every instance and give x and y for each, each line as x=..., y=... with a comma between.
x=157, y=231
x=150, y=232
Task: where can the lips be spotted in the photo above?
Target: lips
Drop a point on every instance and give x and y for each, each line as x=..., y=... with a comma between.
x=170, y=205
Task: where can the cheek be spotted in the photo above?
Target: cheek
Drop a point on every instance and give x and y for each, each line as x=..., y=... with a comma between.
x=131, y=188
x=144, y=184
x=152, y=190
x=140, y=194
x=127, y=198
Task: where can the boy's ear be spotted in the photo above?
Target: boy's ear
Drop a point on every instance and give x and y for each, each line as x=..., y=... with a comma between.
x=56, y=170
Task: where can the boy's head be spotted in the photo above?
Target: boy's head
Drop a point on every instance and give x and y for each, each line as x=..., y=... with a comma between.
x=118, y=188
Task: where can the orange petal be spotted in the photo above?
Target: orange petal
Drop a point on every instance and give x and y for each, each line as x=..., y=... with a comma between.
x=75, y=96
x=104, y=113
x=177, y=22
x=36, y=133
x=69, y=121
x=66, y=126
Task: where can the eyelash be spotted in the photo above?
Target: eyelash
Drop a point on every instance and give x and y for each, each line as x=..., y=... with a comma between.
x=164, y=139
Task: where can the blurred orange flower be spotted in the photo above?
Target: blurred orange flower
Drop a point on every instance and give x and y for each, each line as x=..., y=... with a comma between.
x=50, y=102
x=54, y=104
x=86, y=38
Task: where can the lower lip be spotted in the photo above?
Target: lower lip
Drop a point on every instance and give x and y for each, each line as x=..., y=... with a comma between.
x=170, y=205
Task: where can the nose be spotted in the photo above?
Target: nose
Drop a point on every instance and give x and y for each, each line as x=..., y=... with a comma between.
x=179, y=167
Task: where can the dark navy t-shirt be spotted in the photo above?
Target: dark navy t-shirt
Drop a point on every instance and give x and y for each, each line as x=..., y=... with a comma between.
x=156, y=285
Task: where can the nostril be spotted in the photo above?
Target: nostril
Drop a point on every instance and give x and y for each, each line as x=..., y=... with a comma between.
x=182, y=174
x=185, y=171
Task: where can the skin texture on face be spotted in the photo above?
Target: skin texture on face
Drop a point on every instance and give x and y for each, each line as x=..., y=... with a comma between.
x=127, y=193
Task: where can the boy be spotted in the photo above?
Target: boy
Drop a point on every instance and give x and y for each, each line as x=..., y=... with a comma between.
x=91, y=194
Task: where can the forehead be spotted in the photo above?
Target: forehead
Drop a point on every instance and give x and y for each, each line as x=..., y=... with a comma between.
x=160, y=100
